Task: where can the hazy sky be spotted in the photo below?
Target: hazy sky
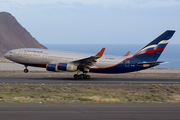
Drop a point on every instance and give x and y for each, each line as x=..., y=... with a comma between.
x=96, y=21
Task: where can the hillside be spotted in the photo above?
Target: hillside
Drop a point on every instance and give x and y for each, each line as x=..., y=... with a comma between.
x=13, y=35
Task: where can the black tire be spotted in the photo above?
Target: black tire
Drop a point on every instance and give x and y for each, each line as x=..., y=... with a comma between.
x=26, y=70
x=88, y=76
x=76, y=76
x=84, y=76
x=80, y=76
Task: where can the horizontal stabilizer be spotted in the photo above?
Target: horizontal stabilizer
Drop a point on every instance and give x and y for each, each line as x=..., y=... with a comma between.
x=150, y=64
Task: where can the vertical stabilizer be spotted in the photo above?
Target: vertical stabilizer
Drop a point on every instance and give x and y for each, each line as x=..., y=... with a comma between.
x=153, y=50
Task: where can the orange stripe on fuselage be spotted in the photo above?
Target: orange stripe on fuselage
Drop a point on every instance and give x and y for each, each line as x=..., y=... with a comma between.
x=46, y=66
x=111, y=66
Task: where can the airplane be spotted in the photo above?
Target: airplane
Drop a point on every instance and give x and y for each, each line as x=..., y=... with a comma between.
x=58, y=61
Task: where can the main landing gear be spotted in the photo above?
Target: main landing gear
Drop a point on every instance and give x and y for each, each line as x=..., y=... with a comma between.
x=82, y=76
x=26, y=70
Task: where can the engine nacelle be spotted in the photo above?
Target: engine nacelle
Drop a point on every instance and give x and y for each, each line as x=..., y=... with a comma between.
x=61, y=66
x=51, y=67
x=66, y=67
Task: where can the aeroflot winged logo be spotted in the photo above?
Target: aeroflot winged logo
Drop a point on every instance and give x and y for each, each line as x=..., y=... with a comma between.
x=58, y=61
x=153, y=48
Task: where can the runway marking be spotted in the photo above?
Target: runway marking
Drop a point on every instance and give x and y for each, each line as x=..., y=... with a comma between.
x=119, y=112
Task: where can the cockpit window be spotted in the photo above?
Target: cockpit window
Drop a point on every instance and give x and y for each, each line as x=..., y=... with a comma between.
x=10, y=52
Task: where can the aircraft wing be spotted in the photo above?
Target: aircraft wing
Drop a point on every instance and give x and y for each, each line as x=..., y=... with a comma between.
x=89, y=61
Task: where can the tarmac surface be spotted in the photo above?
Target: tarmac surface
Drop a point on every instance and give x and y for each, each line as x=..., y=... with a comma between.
x=101, y=80
x=45, y=111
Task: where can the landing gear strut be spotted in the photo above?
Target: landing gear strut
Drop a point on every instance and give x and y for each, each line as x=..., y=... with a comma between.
x=26, y=70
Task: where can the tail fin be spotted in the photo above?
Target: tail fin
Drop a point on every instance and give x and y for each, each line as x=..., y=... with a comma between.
x=153, y=50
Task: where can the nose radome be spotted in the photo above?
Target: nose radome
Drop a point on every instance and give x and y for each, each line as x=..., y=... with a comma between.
x=6, y=55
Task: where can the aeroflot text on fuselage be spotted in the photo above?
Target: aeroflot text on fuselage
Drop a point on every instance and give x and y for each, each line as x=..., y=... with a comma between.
x=33, y=51
x=58, y=61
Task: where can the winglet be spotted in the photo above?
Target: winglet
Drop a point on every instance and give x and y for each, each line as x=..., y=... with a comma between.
x=127, y=54
x=101, y=52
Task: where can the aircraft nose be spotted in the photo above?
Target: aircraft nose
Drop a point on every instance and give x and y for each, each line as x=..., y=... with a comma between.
x=6, y=55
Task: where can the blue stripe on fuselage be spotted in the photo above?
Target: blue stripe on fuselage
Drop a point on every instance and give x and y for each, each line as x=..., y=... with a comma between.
x=128, y=65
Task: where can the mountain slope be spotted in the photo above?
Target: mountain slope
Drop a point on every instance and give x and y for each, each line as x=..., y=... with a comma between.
x=13, y=35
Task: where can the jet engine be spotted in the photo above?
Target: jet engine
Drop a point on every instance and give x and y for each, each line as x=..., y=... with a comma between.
x=61, y=66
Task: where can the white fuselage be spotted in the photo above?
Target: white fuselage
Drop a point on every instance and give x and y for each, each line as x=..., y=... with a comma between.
x=32, y=56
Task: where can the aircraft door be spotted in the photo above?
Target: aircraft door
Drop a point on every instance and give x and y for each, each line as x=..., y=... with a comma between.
x=45, y=56
x=20, y=54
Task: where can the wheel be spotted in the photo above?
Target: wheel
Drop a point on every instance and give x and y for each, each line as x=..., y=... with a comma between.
x=84, y=76
x=80, y=76
x=88, y=76
x=26, y=70
x=75, y=76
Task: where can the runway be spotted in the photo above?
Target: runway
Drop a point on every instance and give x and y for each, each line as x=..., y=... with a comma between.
x=89, y=111
x=66, y=80
x=48, y=111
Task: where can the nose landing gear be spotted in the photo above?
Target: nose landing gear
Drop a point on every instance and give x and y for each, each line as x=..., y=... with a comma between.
x=26, y=70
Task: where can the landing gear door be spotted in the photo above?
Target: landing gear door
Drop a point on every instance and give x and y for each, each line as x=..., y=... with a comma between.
x=45, y=56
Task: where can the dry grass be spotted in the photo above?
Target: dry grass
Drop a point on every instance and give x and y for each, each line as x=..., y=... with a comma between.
x=89, y=93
